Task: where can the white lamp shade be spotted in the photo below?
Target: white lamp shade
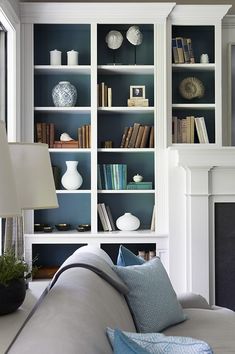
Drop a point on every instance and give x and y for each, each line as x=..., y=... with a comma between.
x=34, y=178
x=9, y=205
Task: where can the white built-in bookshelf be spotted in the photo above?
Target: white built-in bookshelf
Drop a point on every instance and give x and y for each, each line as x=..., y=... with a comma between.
x=65, y=27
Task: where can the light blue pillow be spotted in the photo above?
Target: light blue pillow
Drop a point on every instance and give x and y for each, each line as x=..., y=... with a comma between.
x=127, y=258
x=151, y=297
x=123, y=344
x=158, y=343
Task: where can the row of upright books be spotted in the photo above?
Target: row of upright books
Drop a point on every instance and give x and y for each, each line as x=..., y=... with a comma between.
x=182, y=50
x=183, y=130
x=106, y=217
x=138, y=136
x=104, y=95
x=45, y=133
x=112, y=176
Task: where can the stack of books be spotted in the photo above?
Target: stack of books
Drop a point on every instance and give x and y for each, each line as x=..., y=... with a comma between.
x=182, y=50
x=112, y=176
x=138, y=136
x=45, y=133
x=104, y=95
x=140, y=185
x=84, y=136
x=183, y=130
x=106, y=218
x=66, y=144
x=147, y=255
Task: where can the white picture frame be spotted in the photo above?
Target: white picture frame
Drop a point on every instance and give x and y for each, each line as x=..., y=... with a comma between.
x=137, y=91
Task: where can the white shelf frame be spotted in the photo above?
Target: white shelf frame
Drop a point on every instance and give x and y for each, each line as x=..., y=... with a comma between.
x=62, y=69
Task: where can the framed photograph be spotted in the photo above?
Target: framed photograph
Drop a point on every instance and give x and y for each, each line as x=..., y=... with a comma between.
x=137, y=91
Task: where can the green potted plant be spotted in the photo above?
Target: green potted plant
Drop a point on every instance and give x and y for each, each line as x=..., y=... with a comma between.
x=13, y=274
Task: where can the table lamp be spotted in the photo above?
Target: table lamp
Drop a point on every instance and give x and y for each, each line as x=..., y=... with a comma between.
x=9, y=205
x=34, y=182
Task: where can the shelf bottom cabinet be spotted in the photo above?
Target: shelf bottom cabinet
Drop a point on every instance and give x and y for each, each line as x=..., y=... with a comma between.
x=49, y=251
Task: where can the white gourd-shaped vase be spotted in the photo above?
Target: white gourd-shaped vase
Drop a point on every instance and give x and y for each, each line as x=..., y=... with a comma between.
x=128, y=222
x=72, y=179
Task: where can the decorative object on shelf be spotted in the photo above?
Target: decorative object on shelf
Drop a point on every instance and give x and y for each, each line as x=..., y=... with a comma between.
x=63, y=227
x=72, y=179
x=55, y=57
x=204, y=58
x=47, y=229
x=128, y=222
x=12, y=282
x=83, y=227
x=135, y=37
x=114, y=41
x=65, y=137
x=72, y=57
x=137, y=102
x=107, y=144
x=137, y=178
x=38, y=227
x=137, y=92
x=191, y=87
x=64, y=94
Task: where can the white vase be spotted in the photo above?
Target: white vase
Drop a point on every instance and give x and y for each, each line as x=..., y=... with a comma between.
x=128, y=222
x=72, y=179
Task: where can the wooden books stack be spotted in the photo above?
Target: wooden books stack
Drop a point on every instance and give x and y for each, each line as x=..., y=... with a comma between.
x=183, y=130
x=106, y=217
x=104, y=95
x=138, y=136
x=112, y=176
x=45, y=133
x=182, y=50
x=84, y=136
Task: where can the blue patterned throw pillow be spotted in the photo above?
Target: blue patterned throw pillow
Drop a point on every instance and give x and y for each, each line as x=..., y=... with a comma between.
x=151, y=297
x=123, y=344
x=127, y=258
x=157, y=343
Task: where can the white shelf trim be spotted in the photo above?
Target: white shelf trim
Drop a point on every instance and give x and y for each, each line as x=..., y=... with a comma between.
x=59, y=150
x=126, y=191
x=77, y=191
x=194, y=105
x=63, y=109
x=196, y=66
x=134, y=110
x=145, y=150
x=126, y=69
x=60, y=69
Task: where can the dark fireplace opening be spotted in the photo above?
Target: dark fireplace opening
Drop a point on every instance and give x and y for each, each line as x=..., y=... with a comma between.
x=225, y=255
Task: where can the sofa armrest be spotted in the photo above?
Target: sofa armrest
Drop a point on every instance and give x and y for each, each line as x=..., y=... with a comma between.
x=191, y=300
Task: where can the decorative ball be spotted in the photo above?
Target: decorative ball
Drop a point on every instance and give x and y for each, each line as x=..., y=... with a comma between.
x=64, y=94
x=114, y=39
x=128, y=222
x=134, y=35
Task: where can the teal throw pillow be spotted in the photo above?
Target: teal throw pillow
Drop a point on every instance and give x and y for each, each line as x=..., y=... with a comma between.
x=158, y=343
x=127, y=258
x=151, y=297
x=123, y=344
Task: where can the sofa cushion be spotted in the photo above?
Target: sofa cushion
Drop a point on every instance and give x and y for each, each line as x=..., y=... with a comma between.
x=216, y=327
x=127, y=258
x=151, y=297
x=158, y=343
x=123, y=344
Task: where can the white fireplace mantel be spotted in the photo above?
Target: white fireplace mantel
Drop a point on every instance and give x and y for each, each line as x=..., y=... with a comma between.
x=209, y=178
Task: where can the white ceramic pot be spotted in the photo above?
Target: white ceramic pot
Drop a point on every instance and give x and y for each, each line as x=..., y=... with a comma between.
x=128, y=222
x=72, y=179
x=64, y=94
x=138, y=178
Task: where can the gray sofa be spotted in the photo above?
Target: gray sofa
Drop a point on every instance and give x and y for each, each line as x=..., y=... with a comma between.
x=85, y=299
